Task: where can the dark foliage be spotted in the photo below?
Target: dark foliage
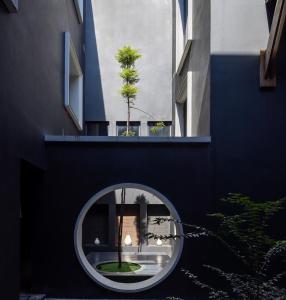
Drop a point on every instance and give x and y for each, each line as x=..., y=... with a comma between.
x=243, y=230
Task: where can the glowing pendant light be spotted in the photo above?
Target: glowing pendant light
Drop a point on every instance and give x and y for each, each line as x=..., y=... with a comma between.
x=97, y=241
x=128, y=240
x=159, y=242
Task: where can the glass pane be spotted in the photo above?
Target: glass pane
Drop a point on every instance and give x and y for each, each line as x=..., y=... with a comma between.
x=123, y=128
x=159, y=131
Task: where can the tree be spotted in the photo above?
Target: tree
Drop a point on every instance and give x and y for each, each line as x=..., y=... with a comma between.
x=127, y=56
x=246, y=225
x=120, y=228
x=244, y=231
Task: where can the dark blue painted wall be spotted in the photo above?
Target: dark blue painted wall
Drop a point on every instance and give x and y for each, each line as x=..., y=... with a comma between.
x=76, y=171
x=247, y=123
x=247, y=153
x=248, y=128
x=31, y=103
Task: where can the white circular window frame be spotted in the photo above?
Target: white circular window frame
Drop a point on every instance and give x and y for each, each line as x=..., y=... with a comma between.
x=119, y=286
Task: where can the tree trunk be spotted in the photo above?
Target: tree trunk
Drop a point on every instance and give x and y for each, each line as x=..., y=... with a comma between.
x=120, y=228
x=128, y=117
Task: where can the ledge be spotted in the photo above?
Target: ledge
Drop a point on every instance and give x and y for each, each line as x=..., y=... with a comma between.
x=121, y=139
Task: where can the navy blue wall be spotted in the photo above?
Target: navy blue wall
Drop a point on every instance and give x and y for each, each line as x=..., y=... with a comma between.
x=247, y=153
x=247, y=123
x=31, y=103
x=76, y=171
x=248, y=128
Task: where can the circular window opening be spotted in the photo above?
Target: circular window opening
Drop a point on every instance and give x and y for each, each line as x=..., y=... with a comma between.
x=119, y=241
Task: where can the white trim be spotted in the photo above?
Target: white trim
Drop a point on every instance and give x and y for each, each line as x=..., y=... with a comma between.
x=79, y=9
x=70, y=54
x=12, y=5
x=118, y=286
x=126, y=139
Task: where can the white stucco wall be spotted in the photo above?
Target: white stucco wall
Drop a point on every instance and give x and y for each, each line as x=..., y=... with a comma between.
x=197, y=64
x=145, y=25
x=238, y=27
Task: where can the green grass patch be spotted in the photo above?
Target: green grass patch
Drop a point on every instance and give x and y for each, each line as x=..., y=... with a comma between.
x=114, y=267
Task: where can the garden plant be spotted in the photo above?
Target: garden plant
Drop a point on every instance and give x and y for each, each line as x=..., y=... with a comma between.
x=245, y=232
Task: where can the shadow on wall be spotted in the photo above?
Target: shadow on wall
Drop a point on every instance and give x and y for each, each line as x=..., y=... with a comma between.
x=94, y=104
x=246, y=127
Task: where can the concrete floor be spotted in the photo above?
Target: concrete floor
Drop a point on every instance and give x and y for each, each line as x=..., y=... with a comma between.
x=152, y=262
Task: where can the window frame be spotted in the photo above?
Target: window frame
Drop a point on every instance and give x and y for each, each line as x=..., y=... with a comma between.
x=71, y=57
x=122, y=287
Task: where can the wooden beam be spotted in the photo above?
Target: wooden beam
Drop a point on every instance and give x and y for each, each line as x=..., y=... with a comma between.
x=264, y=81
x=268, y=56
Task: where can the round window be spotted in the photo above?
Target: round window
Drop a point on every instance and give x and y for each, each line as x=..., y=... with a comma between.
x=125, y=237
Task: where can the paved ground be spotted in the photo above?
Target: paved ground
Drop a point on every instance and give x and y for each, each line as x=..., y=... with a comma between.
x=32, y=297
x=192, y=298
x=151, y=262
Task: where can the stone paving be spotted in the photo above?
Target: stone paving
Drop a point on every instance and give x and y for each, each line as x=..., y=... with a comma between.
x=152, y=262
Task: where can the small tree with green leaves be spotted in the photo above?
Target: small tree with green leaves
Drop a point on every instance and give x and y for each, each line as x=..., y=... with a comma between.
x=127, y=56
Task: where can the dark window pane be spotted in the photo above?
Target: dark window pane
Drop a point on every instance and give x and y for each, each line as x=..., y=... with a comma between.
x=97, y=128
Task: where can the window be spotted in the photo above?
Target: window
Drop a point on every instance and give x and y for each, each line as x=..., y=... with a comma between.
x=115, y=222
x=73, y=83
x=122, y=127
x=12, y=5
x=97, y=128
x=154, y=130
x=79, y=9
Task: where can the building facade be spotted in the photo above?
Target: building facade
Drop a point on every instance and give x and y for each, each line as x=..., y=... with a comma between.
x=191, y=68
x=143, y=25
x=60, y=112
x=31, y=92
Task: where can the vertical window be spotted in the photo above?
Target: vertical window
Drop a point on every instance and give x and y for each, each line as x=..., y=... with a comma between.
x=154, y=130
x=122, y=128
x=12, y=5
x=73, y=83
